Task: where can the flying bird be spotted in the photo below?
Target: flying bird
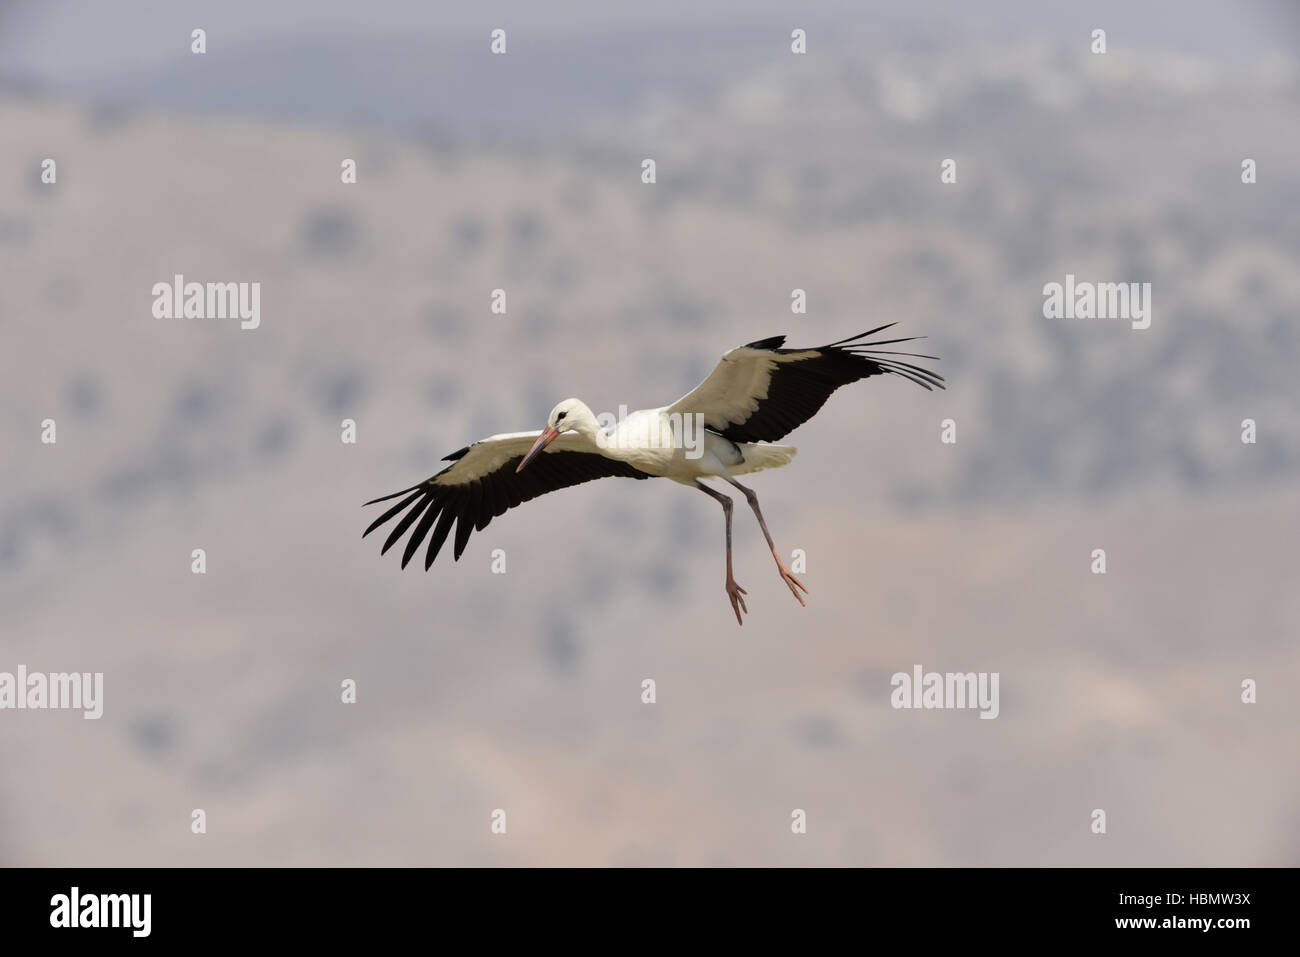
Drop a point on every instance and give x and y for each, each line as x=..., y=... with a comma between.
x=757, y=394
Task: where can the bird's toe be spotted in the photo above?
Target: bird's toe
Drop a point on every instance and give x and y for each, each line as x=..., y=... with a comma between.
x=734, y=592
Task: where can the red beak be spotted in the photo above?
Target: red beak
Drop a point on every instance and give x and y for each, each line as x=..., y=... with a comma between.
x=546, y=438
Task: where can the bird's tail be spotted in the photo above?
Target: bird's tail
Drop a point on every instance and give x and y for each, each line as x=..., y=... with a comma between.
x=759, y=457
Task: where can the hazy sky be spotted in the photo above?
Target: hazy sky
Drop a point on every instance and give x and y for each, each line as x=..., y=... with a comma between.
x=71, y=42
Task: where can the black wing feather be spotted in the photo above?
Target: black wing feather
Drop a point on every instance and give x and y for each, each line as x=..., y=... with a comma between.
x=471, y=505
x=391, y=512
x=797, y=390
x=439, y=535
x=404, y=524
x=432, y=506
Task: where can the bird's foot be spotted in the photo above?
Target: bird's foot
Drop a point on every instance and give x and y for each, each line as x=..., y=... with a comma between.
x=795, y=584
x=734, y=592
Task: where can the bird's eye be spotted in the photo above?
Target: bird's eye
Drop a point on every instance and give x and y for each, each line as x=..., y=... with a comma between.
x=560, y=416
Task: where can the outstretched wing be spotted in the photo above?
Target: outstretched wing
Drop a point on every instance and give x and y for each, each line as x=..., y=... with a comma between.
x=761, y=392
x=481, y=483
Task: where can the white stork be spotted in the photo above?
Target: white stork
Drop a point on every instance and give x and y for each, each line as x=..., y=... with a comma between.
x=758, y=393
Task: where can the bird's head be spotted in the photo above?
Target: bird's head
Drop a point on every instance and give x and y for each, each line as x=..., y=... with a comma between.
x=571, y=415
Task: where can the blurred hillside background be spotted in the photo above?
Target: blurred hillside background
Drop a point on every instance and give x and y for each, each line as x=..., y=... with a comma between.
x=522, y=691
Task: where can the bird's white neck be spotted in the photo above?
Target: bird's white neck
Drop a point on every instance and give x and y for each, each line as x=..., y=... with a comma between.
x=582, y=421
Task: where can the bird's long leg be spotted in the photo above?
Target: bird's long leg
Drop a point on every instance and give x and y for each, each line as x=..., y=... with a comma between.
x=786, y=576
x=734, y=591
